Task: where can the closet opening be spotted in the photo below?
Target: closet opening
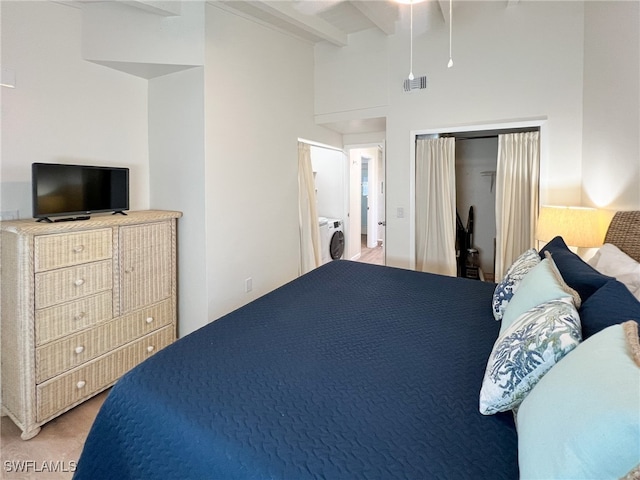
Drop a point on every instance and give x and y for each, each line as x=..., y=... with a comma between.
x=475, y=169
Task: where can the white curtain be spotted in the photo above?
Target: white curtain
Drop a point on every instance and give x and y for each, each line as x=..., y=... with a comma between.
x=517, y=180
x=310, y=254
x=436, y=206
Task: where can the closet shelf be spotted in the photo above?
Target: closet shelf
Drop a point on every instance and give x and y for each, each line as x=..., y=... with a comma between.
x=492, y=174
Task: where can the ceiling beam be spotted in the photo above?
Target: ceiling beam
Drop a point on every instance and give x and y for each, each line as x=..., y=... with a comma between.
x=165, y=8
x=378, y=14
x=444, y=10
x=307, y=24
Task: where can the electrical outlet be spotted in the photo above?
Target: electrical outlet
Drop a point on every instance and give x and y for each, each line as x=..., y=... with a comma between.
x=248, y=285
x=400, y=212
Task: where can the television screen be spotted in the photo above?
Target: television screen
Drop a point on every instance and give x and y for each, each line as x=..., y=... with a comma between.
x=78, y=189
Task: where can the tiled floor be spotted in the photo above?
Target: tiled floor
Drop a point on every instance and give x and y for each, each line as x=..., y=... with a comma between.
x=52, y=453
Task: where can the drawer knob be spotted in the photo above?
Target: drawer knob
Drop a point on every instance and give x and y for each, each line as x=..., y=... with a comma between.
x=80, y=384
x=79, y=349
x=150, y=348
x=78, y=248
x=79, y=282
x=80, y=316
x=149, y=320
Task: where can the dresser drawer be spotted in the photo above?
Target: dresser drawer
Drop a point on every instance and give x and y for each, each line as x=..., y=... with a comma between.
x=60, y=320
x=67, y=389
x=67, y=249
x=66, y=284
x=67, y=353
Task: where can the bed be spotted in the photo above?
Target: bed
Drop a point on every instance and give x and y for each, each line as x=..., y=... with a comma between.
x=350, y=371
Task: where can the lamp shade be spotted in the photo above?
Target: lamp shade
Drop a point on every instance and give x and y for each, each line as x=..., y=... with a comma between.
x=578, y=226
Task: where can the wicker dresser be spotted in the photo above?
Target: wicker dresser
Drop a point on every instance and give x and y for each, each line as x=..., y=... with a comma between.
x=82, y=303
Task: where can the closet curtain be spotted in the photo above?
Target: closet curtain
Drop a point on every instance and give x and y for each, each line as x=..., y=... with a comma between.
x=517, y=197
x=436, y=206
x=310, y=254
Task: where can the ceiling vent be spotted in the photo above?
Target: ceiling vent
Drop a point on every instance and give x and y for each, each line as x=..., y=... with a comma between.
x=417, y=83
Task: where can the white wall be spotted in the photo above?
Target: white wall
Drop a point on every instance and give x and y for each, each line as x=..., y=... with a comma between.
x=116, y=32
x=258, y=102
x=611, y=137
x=63, y=108
x=523, y=62
x=338, y=70
x=329, y=166
x=177, y=172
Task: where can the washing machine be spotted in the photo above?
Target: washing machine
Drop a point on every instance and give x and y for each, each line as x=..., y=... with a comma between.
x=335, y=229
x=324, y=239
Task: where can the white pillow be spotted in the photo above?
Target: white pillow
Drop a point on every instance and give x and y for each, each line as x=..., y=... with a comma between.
x=612, y=261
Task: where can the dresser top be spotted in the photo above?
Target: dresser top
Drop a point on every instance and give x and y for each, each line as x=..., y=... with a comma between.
x=31, y=227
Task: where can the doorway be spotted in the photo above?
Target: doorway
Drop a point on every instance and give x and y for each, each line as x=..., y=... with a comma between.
x=476, y=164
x=366, y=242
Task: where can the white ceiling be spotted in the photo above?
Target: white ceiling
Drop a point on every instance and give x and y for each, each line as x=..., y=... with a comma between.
x=333, y=20
x=313, y=21
x=321, y=20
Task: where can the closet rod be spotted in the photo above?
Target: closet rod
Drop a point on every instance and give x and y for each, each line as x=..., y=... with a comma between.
x=473, y=138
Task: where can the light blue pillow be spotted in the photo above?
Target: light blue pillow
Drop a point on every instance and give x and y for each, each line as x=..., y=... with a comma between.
x=509, y=284
x=582, y=420
x=542, y=284
x=526, y=351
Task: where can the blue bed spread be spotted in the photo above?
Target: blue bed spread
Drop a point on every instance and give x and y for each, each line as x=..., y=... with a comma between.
x=352, y=371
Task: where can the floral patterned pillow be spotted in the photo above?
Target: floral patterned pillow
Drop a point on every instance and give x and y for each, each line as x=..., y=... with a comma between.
x=509, y=284
x=521, y=356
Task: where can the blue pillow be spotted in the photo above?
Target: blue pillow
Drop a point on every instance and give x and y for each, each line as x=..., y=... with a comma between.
x=578, y=274
x=611, y=304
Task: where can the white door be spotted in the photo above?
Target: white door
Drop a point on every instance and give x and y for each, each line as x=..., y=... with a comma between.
x=381, y=219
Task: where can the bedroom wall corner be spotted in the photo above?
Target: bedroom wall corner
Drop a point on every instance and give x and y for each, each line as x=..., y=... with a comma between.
x=258, y=102
x=176, y=178
x=611, y=140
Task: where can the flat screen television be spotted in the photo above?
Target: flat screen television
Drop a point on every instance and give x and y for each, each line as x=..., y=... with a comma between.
x=77, y=191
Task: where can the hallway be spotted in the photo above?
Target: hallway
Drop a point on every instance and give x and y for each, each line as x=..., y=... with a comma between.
x=374, y=255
